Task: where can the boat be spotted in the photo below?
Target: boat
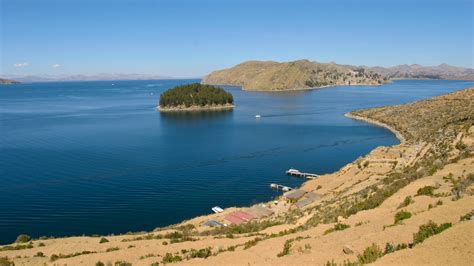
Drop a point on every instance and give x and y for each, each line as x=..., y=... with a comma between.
x=217, y=209
x=258, y=116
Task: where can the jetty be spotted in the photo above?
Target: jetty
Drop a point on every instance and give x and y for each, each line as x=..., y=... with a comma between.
x=296, y=172
x=282, y=187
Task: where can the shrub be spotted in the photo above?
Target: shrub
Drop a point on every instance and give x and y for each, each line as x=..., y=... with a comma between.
x=169, y=258
x=201, y=253
x=407, y=201
x=112, y=249
x=54, y=257
x=22, y=238
x=39, y=254
x=467, y=216
x=41, y=244
x=426, y=191
x=122, y=263
x=286, y=248
x=401, y=215
x=4, y=261
x=99, y=263
x=251, y=243
x=337, y=227
x=103, y=240
x=370, y=254
x=428, y=230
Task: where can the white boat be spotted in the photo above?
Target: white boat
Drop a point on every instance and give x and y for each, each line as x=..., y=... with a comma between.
x=217, y=209
x=258, y=116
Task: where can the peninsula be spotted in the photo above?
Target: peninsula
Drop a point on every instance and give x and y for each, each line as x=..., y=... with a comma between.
x=407, y=204
x=8, y=81
x=305, y=74
x=295, y=75
x=195, y=97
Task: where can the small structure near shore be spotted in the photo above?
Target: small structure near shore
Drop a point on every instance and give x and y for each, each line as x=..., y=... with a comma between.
x=294, y=195
x=296, y=172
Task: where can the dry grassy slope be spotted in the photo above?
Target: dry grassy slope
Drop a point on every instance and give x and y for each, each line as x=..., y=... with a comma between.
x=378, y=173
x=301, y=74
x=427, y=119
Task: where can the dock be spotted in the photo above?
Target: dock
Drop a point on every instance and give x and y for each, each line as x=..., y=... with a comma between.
x=282, y=187
x=296, y=172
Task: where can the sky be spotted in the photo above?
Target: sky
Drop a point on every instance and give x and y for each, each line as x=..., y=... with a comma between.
x=192, y=38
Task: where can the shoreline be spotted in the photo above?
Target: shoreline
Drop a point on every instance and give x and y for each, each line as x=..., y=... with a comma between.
x=195, y=108
x=371, y=121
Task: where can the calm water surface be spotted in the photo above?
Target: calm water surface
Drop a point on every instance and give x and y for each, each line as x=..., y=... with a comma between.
x=95, y=158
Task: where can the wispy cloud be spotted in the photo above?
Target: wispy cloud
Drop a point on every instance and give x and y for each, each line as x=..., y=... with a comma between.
x=25, y=64
x=55, y=65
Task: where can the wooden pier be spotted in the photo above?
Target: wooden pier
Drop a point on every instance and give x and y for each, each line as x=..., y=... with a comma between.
x=282, y=187
x=296, y=172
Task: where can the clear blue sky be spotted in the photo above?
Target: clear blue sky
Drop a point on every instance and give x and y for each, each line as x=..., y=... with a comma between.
x=192, y=38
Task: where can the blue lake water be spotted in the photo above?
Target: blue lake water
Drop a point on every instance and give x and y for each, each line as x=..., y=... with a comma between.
x=95, y=158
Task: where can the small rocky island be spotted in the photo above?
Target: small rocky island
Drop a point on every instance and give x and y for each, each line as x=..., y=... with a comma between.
x=195, y=97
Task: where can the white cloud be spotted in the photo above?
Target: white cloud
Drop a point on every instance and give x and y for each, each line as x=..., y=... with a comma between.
x=25, y=64
x=55, y=65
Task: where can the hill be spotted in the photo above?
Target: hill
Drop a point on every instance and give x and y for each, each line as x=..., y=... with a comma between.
x=8, y=81
x=409, y=204
x=301, y=74
x=195, y=97
x=443, y=71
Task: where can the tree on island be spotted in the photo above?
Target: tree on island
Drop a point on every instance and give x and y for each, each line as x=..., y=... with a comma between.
x=195, y=95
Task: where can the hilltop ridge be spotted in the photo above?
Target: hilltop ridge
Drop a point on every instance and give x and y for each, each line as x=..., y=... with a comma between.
x=294, y=75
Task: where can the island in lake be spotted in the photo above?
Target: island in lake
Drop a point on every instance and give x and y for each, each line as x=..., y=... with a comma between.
x=195, y=97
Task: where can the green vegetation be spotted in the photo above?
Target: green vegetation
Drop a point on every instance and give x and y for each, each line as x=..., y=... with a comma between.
x=103, y=240
x=17, y=247
x=4, y=261
x=370, y=254
x=426, y=191
x=467, y=216
x=23, y=238
x=99, y=263
x=122, y=263
x=428, y=230
x=39, y=254
x=170, y=258
x=337, y=227
x=112, y=249
x=401, y=215
x=55, y=257
x=201, y=253
x=407, y=201
x=195, y=95
x=251, y=243
x=286, y=248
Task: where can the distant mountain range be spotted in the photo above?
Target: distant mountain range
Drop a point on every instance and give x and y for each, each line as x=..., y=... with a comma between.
x=101, y=76
x=8, y=81
x=443, y=71
x=305, y=74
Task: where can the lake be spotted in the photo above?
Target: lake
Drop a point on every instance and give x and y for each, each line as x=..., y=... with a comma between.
x=96, y=158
